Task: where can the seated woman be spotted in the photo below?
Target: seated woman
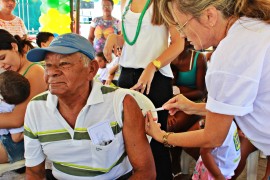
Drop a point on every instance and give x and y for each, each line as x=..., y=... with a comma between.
x=189, y=79
x=13, y=57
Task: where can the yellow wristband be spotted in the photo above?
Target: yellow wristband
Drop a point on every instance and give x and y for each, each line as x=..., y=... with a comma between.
x=157, y=64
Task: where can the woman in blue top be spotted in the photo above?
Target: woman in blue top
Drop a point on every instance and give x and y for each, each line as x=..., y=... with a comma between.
x=189, y=70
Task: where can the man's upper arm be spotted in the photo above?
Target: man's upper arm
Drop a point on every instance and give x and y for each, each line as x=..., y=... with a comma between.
x=35, y=172
x=137, y=146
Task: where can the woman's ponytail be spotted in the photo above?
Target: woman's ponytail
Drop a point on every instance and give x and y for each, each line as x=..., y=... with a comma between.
x=22, y=43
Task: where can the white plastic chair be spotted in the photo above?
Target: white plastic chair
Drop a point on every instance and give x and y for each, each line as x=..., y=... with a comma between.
x=11, y=166
x=185, y=162
x=252, y=165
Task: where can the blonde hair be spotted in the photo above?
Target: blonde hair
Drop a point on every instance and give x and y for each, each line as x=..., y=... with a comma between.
x=259, y=9
x=157, y=18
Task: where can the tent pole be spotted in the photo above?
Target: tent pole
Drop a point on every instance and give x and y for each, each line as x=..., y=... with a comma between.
x=78, y=3
x=71, y=15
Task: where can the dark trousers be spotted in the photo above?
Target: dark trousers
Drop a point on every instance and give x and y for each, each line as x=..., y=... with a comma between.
x=49, y=175
x=160, y=92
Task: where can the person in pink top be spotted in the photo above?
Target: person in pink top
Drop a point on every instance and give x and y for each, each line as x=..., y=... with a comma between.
x=13, y=24
x=101, y=27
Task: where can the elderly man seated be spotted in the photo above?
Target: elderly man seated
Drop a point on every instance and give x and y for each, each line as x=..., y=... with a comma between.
x=77, y=125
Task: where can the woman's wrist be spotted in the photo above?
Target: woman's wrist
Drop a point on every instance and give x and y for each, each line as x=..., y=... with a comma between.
x=157, y=64
x=152, y=67
x=165, y=139
x=199, y=108
x=190, y=107
x=160, y=136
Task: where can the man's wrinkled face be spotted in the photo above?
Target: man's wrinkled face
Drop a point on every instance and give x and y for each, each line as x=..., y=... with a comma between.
x=66, y=74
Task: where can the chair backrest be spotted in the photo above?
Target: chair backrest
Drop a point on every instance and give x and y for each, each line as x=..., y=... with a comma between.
x=11, y=166
x=252, y=165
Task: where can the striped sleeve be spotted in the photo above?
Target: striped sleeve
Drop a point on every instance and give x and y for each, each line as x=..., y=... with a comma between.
x=33, y=150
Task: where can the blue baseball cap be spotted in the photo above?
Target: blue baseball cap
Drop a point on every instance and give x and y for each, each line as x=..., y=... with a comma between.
x=64, y=44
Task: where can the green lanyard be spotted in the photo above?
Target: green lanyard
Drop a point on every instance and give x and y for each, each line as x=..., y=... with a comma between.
x=139, y=23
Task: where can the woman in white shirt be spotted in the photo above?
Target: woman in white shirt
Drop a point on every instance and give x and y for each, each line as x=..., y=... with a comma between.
x=238, y=75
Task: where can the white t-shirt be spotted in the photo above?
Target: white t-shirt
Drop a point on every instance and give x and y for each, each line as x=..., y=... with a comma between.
x=102, y=74
x=14, y=27
x=151, y=42
x=115, y=62
x=228, y=155
x=5, y=107
x=238, y=79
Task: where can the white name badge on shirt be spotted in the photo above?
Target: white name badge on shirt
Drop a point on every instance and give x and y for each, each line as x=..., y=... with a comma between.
x=101, y=133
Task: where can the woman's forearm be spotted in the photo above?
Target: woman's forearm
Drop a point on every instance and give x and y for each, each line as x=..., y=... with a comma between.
x=198, y=109
x=14, y=119
x=216, y=129
x=120, y=40
x=175, y=48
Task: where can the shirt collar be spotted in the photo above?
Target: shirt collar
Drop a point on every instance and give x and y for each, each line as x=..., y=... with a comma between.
x=95, y=96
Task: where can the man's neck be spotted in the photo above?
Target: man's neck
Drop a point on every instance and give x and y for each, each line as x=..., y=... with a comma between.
x=70, y=106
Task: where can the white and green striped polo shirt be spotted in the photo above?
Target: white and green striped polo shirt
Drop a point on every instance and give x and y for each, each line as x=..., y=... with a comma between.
x=74, y=156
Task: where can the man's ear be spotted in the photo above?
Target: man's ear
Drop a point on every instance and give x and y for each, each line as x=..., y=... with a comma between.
x=14, y=46
x=211, y=14
x=43, y=44
x=93, y=68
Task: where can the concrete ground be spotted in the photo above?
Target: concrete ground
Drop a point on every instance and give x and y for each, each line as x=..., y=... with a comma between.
x=12, y=175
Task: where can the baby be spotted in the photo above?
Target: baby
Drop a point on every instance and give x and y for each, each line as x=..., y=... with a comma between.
x=44, y=39
x=14, y=89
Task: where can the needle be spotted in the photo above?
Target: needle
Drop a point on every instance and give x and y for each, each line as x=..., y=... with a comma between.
x=157, y=109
